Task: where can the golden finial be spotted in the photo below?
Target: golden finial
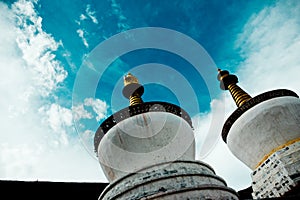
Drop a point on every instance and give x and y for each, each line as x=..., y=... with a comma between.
x=129, y=79
x=132, y=89
x=229, y=82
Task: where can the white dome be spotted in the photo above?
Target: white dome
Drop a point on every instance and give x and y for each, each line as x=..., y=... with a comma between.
x=263, y=128
x=143, y=140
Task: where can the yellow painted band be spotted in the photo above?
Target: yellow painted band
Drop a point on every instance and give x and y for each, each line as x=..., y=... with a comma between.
x=277, y=149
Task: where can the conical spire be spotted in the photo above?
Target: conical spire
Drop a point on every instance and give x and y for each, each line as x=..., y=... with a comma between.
x=132, y=89
x=229, y=82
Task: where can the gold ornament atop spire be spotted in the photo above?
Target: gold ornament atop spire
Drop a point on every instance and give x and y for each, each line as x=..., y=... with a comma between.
x=129, y=78
x=132, y=89
x=229, y=82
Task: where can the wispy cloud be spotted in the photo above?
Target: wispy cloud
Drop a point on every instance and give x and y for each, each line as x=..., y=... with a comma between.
x=36, y=47
x=58, y=119
x=36, y=140
x=270, y=43
x=99, y=107
x=81, y=34
x=211, y=149
x=91, y=14
x=79, y=112
x=122, y=20
x=88, y=15
x=82, y=17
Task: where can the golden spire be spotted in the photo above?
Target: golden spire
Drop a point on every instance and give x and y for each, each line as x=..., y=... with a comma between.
x=132, y=89
x=229, y=82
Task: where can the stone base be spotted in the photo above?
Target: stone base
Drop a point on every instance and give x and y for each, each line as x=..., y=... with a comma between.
x=170, y=180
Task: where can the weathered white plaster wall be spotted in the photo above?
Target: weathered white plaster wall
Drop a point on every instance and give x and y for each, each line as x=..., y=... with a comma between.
x=174, y=180
x=143, y=140
x=263, y=128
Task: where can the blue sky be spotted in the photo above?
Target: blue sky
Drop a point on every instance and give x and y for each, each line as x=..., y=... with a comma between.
x=45, y=43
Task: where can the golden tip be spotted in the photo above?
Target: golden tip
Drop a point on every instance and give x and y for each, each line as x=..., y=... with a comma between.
x=129, y=79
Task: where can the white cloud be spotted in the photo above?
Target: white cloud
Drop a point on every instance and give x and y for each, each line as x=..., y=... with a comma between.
x=91, y=14
x=270, y=44
x=122, y=20
x=37, y=162
x=36, y=47
x=99, y=107
x=81, y=34
x=82, y=17
x=211, y=149
x=208, y=126
x=225, y=164
x=58, y=116
x=58, y=119
x=35, y=132
x=80, y=113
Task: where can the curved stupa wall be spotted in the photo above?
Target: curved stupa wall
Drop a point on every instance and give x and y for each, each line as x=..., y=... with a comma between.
x=145, y=139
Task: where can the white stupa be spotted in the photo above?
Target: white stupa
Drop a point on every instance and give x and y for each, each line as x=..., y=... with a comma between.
x=147, y=151
x=264, y=133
